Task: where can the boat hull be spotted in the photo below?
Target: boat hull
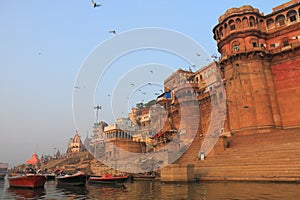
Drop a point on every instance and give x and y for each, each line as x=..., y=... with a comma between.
x=27, y=181
x=107, y=179
x=50, y=177
x=2, y=176
x=72, y=180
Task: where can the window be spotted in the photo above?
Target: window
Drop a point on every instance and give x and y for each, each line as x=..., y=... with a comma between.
x=270, y=23
x=254, y=44
x=231, y=25
x=291, y=15
x=293, y=18
x=251, y=21
x=272, y=45
x=285, y=43
x=236, y=47
x=280, y=20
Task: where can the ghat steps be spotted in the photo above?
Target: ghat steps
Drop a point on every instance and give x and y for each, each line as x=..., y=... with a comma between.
x=267, y=156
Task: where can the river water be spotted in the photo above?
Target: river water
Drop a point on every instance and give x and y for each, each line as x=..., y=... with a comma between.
x=157, y=190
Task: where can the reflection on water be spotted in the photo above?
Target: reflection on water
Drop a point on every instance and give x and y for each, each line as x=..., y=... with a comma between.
x=112, y=191
x=21, y=193
x=157, y=190
x=71, y=191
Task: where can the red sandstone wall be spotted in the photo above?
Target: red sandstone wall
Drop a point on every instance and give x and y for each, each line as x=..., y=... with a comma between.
x=287, y=86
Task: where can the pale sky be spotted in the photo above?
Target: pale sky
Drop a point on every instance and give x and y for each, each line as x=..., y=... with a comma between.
x=45, y=43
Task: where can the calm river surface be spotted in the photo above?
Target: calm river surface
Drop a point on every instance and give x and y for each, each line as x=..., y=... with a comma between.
x=156, y=190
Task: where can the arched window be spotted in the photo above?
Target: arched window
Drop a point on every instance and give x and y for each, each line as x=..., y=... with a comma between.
x=217, y=34
x=225, y=28
x=221, y=32
x=280, y=20
x=254, y=42
x=235, y=46
x=270, y=23
x=245, y=22
x=292, y=16
x=251, y=21
x=285, y=42
x=231, y=25
x=238, y=23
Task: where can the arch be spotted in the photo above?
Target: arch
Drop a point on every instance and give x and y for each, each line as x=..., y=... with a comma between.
x=217, y=34
x=225, y=25
x=254, y=42
x=238, y=23
x=252, y=21
x=221, y=31
x=235, y=45
x=225, y=29
x=231, y=25
x=291, y=16
x=270, y=23
x=245, y=22
x=285, y=41
x=261, y=24
x=280, y=20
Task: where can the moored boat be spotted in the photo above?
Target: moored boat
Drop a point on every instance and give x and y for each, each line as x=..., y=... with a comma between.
x=77, y=179
x=108, y=179
x=3, y=170
x=27, y=180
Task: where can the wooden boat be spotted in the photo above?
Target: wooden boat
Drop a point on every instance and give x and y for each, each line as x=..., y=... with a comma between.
x=50, y=176
x=27, y=180
x=108, y=179
x=3, y=170
x=2, y=176
x=143, y=177
x=77, y=179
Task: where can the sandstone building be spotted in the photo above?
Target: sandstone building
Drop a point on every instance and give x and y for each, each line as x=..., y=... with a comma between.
x=252, y=106
x=260, y=61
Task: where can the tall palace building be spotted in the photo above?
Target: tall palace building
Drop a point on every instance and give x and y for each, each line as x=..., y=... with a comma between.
x=260, y=61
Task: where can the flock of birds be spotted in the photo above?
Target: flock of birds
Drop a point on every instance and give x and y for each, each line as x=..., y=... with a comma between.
x=95, y=5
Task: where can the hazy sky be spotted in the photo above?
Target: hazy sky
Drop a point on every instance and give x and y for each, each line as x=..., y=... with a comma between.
x=43, y=44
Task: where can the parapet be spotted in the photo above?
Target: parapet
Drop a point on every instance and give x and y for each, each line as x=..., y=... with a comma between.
x=241, y=10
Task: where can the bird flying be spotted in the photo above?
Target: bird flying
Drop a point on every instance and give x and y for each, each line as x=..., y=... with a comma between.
x=95, y=4
x=113, y=32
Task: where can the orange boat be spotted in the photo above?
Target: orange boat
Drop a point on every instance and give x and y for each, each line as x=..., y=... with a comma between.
x=108, y=178
x=29, y=179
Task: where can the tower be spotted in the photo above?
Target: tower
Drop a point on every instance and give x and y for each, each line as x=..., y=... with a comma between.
x=243, y=39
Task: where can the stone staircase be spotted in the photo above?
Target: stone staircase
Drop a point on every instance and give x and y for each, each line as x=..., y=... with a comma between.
x=271, y=156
